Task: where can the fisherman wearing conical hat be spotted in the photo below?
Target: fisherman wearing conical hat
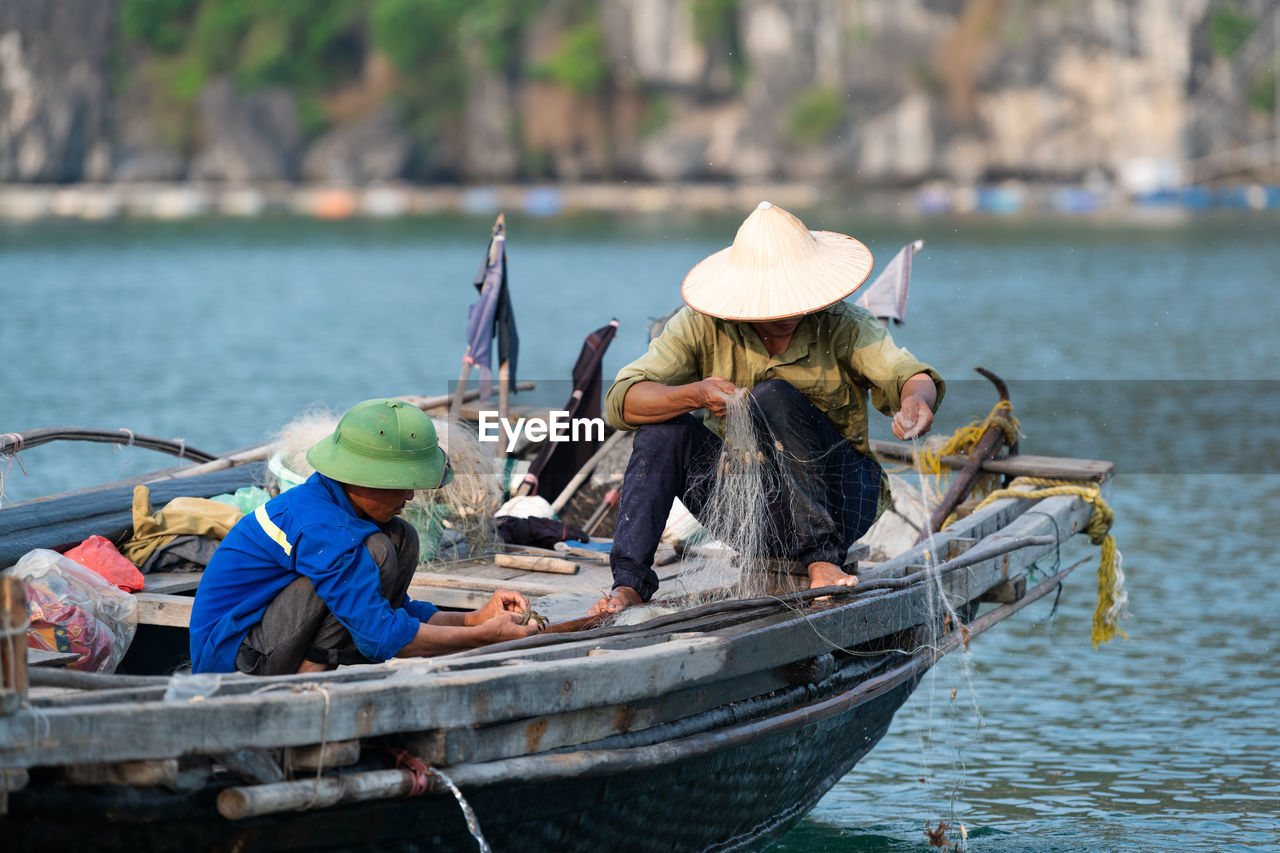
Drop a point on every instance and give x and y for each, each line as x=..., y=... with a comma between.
x=766, y=314
x=318, y=575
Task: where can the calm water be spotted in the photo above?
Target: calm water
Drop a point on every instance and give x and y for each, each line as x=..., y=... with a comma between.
x=1151, y=345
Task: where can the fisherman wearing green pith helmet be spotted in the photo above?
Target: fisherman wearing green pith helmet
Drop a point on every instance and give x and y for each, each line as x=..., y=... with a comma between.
x=318, y=576
x=766, y=316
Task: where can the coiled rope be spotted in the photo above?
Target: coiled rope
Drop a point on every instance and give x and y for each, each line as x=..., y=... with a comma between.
x=1112, y=597
x=962, y=441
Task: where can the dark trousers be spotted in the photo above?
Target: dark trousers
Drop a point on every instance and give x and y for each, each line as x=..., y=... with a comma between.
x=828, y=494
x=298, y=626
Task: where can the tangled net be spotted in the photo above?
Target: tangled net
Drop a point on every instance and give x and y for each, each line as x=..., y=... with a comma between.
x=749, y=476
x=467, y=505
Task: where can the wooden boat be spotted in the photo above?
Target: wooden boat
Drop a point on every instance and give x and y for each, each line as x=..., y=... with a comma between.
x=715, y=728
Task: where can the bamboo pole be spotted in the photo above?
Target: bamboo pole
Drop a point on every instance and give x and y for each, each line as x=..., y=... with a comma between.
x=428, y=403
x=252, y=800
x=610, y=499
x=459, y=394
x=586, y=471
x=13, y=643
x=504, y=390
x=15, y=442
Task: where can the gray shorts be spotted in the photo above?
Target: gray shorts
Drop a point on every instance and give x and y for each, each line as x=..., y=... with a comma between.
x=298, y=626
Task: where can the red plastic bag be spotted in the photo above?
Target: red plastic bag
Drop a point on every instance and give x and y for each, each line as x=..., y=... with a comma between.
x=99, y=554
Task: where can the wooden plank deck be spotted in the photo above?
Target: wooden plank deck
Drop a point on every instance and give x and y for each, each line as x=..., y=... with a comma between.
x=166, y=599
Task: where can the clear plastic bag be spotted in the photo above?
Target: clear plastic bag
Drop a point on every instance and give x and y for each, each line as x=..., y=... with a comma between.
x=72, y=609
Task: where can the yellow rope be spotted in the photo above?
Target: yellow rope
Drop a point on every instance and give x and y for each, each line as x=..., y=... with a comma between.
x=962, y=440
x=1111, y=593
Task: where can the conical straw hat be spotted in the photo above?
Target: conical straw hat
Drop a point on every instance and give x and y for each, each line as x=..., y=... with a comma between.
x=776, y=268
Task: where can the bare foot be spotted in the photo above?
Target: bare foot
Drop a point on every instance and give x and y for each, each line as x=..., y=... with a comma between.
x=829, y=574
x=622, y=598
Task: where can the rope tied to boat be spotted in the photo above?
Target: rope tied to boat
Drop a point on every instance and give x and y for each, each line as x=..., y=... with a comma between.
x=324, y=732
x=419, y=773
x=1112, y=596
x=10, y=455
x=929, y=461
x=420, y=782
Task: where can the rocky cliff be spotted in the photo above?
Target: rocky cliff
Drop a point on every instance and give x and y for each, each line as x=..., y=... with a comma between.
x=856, y=92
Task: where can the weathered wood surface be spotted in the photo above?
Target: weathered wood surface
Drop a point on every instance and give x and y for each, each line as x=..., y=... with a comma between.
x=160, y=604
x=14, y=656
x=159, y=608
x=251, y=800
x=585, y=725
x=174, y=611
x=331, y=754
x=343, y=711
x=439, y=580
x=1019, y=465
x=583, y=553
x=171, y=582
x=534, y=563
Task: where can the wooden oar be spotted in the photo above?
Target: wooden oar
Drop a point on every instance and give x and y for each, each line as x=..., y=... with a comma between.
x=986, y=447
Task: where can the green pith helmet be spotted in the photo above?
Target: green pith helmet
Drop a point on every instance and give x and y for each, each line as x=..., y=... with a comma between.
x=383, y=444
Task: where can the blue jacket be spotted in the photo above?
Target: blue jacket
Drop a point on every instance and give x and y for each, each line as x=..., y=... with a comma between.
x=310, y=530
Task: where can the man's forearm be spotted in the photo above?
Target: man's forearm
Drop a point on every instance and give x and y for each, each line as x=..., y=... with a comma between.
x=921, y=385
x=435, y=638
x=450, y=618
x=652, y=402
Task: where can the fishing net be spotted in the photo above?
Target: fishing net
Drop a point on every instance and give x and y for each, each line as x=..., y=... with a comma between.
x=460, y=514
x=295, y=438
x=746, y=484
x=463, y=511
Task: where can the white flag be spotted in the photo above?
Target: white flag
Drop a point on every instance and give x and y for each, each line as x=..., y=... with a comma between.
x=887, y=296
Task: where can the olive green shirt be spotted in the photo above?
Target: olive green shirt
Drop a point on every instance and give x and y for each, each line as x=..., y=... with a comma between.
x=837, y=356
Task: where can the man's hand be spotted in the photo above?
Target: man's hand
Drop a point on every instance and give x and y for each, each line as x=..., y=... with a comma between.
x=506, y=626
x=652, y=402
x=622, y=598
x=915, y=417
x=503, y=601
x=713, y=393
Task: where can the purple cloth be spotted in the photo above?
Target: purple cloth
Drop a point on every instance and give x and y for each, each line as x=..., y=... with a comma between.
x=491, y=315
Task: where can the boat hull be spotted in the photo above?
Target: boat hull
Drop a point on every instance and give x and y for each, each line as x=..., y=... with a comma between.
x=739, y=797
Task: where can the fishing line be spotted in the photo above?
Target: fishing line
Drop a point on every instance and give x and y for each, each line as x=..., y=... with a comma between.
x=1057, y=535
x=937, y=595
x=11, y=457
